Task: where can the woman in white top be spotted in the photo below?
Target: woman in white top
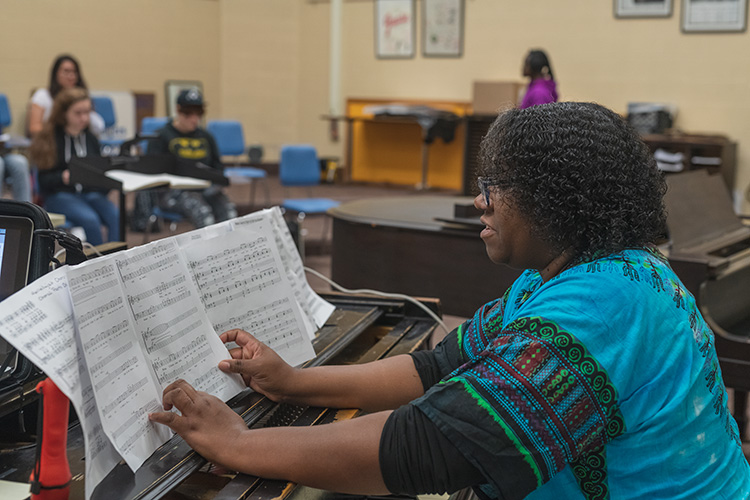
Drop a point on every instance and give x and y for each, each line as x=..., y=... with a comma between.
x=65, y=74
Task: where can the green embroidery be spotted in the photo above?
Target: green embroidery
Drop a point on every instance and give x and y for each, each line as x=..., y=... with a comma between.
x=525, y=454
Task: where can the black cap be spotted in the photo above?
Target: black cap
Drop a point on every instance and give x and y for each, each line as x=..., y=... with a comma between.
x=190, y=97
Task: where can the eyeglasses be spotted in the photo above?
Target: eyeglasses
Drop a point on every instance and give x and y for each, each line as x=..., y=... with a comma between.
x=484, y=188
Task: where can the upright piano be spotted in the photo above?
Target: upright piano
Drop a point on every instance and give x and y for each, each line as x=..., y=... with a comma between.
x=710, y=252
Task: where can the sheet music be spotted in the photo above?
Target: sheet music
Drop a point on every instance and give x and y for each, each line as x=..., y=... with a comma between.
x=124, y=387
x=137, y=320
x=242, y=285
x=315, y=308
x=39, y=323
x=170, y=322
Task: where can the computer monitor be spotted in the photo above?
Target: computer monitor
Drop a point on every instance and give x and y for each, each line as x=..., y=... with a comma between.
x=15, y=254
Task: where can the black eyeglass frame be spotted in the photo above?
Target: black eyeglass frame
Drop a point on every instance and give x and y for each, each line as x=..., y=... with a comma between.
x=484, y=188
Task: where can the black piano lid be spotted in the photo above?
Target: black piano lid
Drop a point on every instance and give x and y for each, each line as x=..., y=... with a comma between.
x=700, y=212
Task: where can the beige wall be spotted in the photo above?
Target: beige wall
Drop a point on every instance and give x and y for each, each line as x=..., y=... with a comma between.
x=121, y=45
x=265, y=62
x=595, y=57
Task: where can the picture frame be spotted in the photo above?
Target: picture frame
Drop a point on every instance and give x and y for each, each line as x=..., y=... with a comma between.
x=395, y=28
x=442, y=28
x=172, y=89
x=707, y=16
x=642, y=8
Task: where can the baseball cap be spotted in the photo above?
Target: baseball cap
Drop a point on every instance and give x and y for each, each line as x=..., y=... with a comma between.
x=190, y=97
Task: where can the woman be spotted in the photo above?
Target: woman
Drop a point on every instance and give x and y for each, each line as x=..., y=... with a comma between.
x=594, y=376
x=66, y=136
x=65, y=74
x=542, y=88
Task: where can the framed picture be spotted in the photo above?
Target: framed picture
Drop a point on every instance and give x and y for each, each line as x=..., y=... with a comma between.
x=394, y=29
x=643, y=8
x=172, y=88
x=442, y=28
x=714, y=15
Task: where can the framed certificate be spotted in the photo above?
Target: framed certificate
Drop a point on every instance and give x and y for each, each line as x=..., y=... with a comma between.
x=643, y=8
x=394, y=29
x=443, y=28
x=714, y=15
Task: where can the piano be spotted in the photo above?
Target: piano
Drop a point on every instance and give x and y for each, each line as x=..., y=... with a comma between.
x=361, y=329
x=710, y=252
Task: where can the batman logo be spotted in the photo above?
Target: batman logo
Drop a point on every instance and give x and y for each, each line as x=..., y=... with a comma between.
x=189, y=148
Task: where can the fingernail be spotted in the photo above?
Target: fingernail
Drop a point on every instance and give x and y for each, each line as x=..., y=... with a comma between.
x=224, y=365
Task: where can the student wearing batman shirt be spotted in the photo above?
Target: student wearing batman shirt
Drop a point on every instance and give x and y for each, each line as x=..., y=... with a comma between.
x=184, y=138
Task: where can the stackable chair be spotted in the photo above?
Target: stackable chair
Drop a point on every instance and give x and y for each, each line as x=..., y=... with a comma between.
x=299, y=167
x=149, y=125
x=106, y=109
x=231, y=142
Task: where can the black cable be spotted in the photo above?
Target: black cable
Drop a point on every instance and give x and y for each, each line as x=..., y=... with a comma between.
x=72, y=245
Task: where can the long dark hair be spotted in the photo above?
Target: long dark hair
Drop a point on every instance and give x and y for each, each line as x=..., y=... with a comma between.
x=43, y=150
x=538, y=61
x=55, y=87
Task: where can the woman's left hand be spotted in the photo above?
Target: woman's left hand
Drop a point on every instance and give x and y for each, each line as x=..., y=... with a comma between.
x=208, y=425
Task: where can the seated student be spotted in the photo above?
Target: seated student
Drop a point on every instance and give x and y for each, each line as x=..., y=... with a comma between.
x=189, y=142
x=65, y=136
x=15, y=168
x=64, y=74
x=593, y=376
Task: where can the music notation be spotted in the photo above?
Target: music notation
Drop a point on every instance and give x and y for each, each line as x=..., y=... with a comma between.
x=114, y=331
x=247, y=275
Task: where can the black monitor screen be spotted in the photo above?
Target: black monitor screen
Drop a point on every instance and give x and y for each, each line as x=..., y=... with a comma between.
x=15, y=254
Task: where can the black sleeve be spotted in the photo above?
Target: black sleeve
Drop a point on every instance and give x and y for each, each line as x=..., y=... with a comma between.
x=434, y=365
x=94, y=147
x=50, y=181
x=215, y=156
x=416, y=458
x=157, y=145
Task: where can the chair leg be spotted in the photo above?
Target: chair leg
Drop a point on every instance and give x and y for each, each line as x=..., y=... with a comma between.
x=252, y=194
x=326, y=227
x=301, y=235
x=268, y=194
x=152, y=219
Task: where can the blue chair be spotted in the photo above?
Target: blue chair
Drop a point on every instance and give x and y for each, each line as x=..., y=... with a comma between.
x=149, y=125
x=299, y=167
x=106, y=109
x=5, y=119
x=231, y=142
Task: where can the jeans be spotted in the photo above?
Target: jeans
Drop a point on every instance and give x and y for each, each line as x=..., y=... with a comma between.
x=16, y=167
x=90, y=210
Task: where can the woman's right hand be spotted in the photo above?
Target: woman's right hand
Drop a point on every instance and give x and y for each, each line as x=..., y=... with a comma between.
x=259, y=365
x=66, y=176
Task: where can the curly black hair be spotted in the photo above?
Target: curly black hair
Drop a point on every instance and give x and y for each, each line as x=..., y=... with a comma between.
x=579, y=174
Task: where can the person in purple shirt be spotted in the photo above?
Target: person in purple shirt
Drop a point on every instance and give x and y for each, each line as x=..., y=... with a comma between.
x=542, y=88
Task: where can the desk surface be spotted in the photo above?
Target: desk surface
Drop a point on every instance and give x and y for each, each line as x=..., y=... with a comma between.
x=406, y=212
x=56, y=219
x=397, y=245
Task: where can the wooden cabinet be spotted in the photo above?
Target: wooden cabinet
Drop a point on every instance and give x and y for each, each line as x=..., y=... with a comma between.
x=697, y=149
x=391, y=151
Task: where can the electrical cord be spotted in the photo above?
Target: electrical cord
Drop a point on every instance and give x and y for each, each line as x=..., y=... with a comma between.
x=381, y=294
x=72, y=245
